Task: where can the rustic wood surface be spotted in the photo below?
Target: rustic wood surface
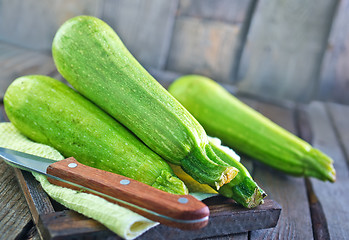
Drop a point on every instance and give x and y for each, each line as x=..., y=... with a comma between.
x=275, y=49
x=148, y=34
x=284, y=49
x=210, y=50
x=332, y=196
x=207, y=39
x=33, y=23
x=334, y=77
x=14, y=213
x=16, y=62
x=284, y=189
x=225, y=218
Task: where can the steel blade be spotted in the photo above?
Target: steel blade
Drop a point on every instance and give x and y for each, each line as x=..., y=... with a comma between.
x=26, y=161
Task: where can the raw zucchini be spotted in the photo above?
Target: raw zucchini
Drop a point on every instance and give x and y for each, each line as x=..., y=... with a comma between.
x=92, y=58
x=247, y=131
x=243, y=189
x=49, y=112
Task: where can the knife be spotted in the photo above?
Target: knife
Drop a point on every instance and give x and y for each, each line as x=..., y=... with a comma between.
x=180, y=211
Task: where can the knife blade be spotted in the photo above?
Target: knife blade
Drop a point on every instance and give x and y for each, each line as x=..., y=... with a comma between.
x=180, y=211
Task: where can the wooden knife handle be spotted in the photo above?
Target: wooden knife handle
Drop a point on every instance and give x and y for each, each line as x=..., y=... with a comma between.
x=188, y=212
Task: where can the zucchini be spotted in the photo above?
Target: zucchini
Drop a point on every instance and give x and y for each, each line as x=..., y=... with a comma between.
x=243, y=189
x=92, y=58
x=249, y=132
x=49, y=112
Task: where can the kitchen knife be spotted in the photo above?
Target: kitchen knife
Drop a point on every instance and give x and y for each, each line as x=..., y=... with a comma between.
x=180, y=211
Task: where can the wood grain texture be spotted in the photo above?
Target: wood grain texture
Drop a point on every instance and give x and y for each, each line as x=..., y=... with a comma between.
x=14, y=213
x=203, y=47
x=222, y=10
x=239, y=236
x=289, y=192
x=226, y=218
x=334, y=78
x=33, y=23
x=236, y=14
x=145, y=27
x=17, y=62
x=339, y=115
x=318, y=218
x=284, y=48
x=333, y=197
x=38, y=201
x=72, y=225
x=3, y=117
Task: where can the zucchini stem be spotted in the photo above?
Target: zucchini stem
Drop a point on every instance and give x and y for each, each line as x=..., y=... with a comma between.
x=198, y=165
x=243, y=189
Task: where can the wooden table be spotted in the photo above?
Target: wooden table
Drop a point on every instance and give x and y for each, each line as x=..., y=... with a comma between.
x=310, y=208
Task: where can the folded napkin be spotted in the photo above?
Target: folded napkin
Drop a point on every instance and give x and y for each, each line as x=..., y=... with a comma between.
x=122, y=221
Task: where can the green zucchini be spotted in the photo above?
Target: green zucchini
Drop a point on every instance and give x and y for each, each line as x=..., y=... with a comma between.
x=247, y=131
x=92, y=58
x=49, y=112
x=243, y=189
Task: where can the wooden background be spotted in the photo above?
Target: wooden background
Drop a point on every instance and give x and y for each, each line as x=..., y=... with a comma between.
x=274, y=49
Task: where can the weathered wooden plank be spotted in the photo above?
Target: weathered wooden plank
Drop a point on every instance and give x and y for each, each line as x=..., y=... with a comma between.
x=236, y=14
x=33, y=23
x=284, y=49
x=3, y=117
x=18, y=58
x=20, y=215
x=339, y=115
x=144, y=26
x=289, y=192
x=204, y=47
x=7, y=51
x=22, y=62
x=318, y=218
x=32, y=234
x=72, y=225
x=334, y=78
x=226, y=218
x=14, y=213
x=38, y=201
x=222, y=10
x=239, y=236
x=333, y=196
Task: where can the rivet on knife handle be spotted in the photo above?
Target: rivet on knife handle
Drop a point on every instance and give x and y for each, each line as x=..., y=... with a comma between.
x=181, y=211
